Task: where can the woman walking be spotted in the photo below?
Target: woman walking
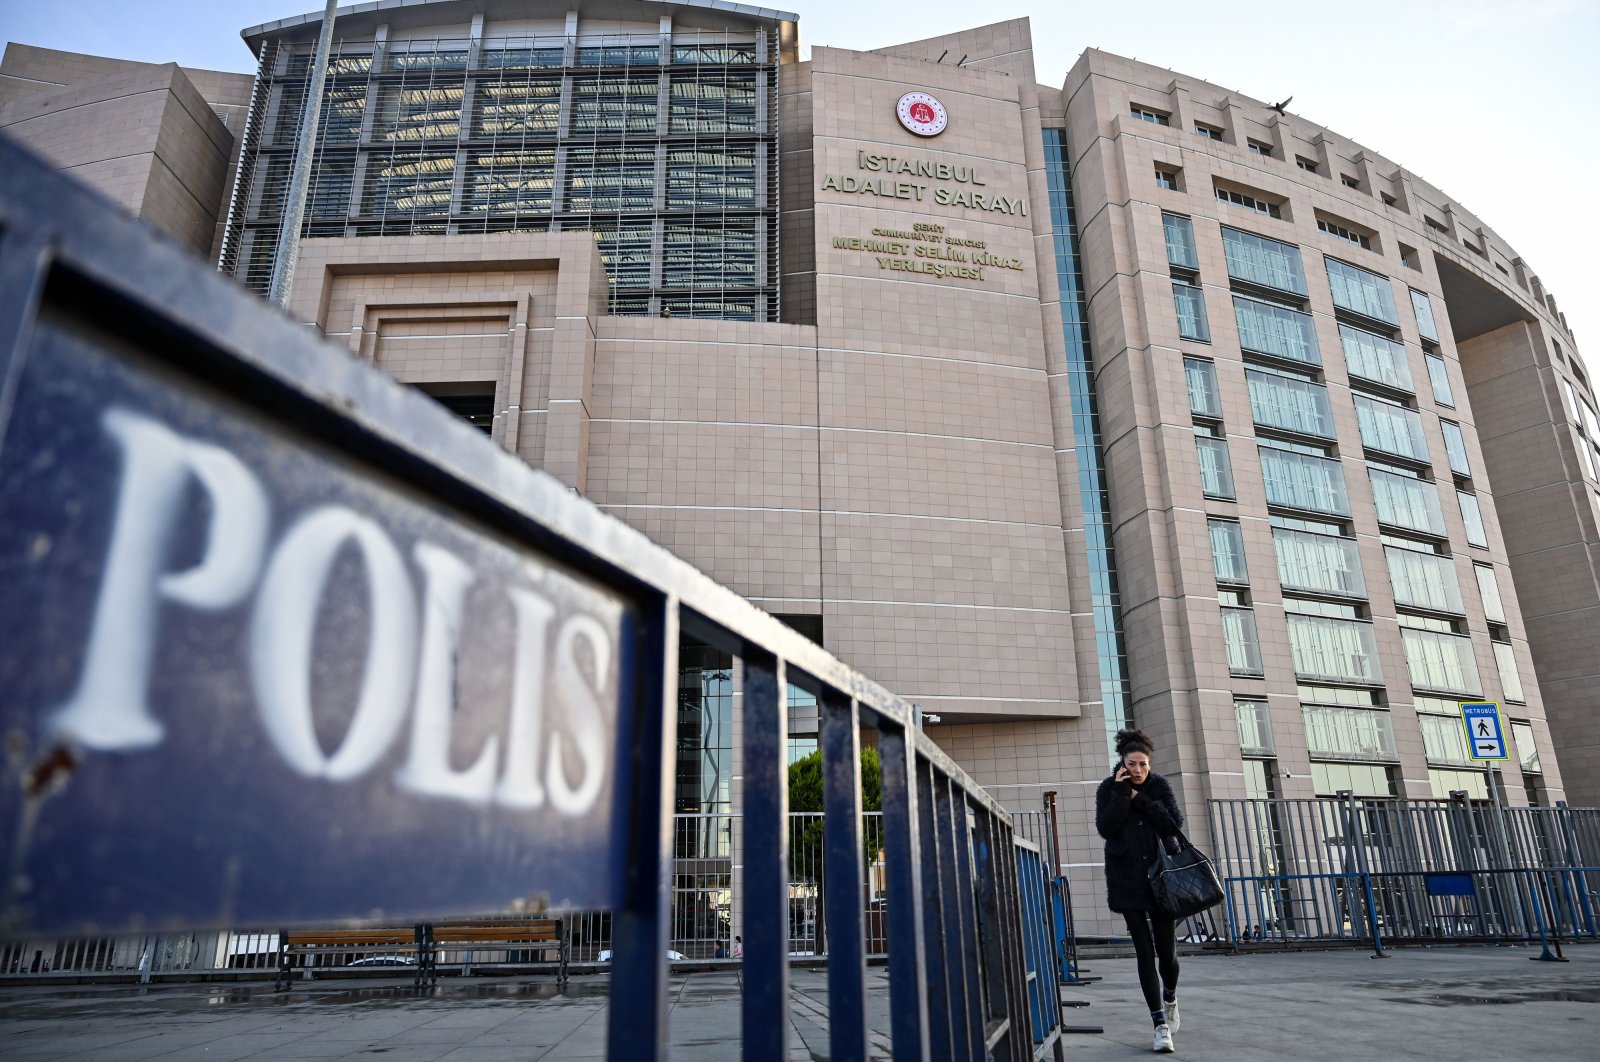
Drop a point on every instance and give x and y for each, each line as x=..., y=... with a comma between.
x=1134, y=810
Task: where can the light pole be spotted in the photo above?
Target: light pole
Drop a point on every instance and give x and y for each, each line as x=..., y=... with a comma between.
x=294, y=206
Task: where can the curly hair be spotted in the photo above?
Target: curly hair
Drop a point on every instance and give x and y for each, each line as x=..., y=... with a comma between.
x=1134, y=741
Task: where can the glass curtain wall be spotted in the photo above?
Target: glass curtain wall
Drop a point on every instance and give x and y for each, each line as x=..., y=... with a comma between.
x=1105, y=598
x=1357, y=290
x=1377, y=359
x=666, y=152
x=1318, y=564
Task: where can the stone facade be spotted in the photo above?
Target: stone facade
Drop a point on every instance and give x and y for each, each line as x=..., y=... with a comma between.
x=157, y=139
x=902, y=454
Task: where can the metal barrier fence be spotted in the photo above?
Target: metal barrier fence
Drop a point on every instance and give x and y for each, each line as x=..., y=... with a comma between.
x=1365, y=870
x=212, y=526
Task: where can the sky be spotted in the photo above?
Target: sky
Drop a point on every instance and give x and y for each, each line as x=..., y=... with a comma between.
x=1493, y=101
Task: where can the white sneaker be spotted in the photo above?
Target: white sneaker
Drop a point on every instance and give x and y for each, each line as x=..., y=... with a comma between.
x=1163, y=1044
x=1172, y=1013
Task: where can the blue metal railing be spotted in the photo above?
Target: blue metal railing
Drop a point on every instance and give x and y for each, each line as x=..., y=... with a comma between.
x=254, y=427
x=1474, y=905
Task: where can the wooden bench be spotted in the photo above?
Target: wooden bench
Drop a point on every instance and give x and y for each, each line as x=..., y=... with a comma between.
x=516, y=937
x=303, y=948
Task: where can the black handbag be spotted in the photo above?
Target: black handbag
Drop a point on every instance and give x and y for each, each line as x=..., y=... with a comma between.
x=1184, y=882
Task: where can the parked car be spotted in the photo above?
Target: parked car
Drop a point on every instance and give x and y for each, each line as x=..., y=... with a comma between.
x=385, y=960
x=672, y=956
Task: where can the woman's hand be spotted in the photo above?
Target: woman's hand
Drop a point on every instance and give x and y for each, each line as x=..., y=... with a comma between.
x=1121, y=775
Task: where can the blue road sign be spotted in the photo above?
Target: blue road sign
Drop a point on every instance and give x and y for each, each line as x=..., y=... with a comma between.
x=1486, y=739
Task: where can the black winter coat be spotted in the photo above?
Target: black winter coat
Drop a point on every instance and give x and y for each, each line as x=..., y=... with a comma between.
x=1132, y=819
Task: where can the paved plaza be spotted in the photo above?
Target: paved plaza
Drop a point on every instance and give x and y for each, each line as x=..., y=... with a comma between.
x=1456, y=1003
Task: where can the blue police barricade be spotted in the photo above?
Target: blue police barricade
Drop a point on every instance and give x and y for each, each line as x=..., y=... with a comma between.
x=282, y=641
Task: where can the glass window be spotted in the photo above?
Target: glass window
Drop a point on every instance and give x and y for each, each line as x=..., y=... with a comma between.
x=1267, y=328
x=1145, y=114
x=1391, y=429
x=1455, y=445
x=1424, y=310
x=1527, y=750
x=1180, y=241
x=517, y=108
x=1424, y=580
x=1406, y=502
x=1258, y=148
x=713, y=54
x=713, y=101
x=1261, y=783
x=1505, y=661
x=1439, y=378
x=1374, y=357
x=625, y=250
x=1216, y=471
x=613, y=106
x=1574, y=401
x=1255, y=727
x=1348, y=733
x=1278, y=401
x=411, y=113
x=618, y=55
x=1250, y=202
x=516, y=55
x=610, y=179
x=1258, y=260
x=711, y=177
x=1489, y=590
x=1191, y=307
x=1333, y=228
x=1239, y=632
x=1331, y=609
x=1201, y=375
x=332, y=178
x=1443, y=783
x=1227, y=551
x=509, y=182
x=1359, y=291
x=422, y=56
x=1167, y=179
x=1333, y=650
x=1362, y=779
x=1318, y=564
x=705, y=729
x=1210, y=132
x=409, y=184
x=1588, y=458
x=1472, y=517
x=1442, y=662
x=1300, y=481
x=1444, y=739
x=706, y=252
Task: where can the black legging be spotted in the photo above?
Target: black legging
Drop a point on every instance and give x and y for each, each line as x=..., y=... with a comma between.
x=1154, y=940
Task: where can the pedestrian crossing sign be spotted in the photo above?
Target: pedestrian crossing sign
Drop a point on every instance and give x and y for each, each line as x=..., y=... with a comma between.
x=1486, y=738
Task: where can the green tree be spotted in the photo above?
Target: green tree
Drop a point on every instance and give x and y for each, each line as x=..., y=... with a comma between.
x=806, y=842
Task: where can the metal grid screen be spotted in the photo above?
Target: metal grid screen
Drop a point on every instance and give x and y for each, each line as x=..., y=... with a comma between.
x=665, y=150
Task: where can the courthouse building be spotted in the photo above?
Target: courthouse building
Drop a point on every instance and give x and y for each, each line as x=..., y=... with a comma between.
x=1054, y=408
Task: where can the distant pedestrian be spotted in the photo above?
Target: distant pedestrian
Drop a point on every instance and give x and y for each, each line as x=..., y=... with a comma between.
x=738, y=947
x=722, y=951
x=1134, y=810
